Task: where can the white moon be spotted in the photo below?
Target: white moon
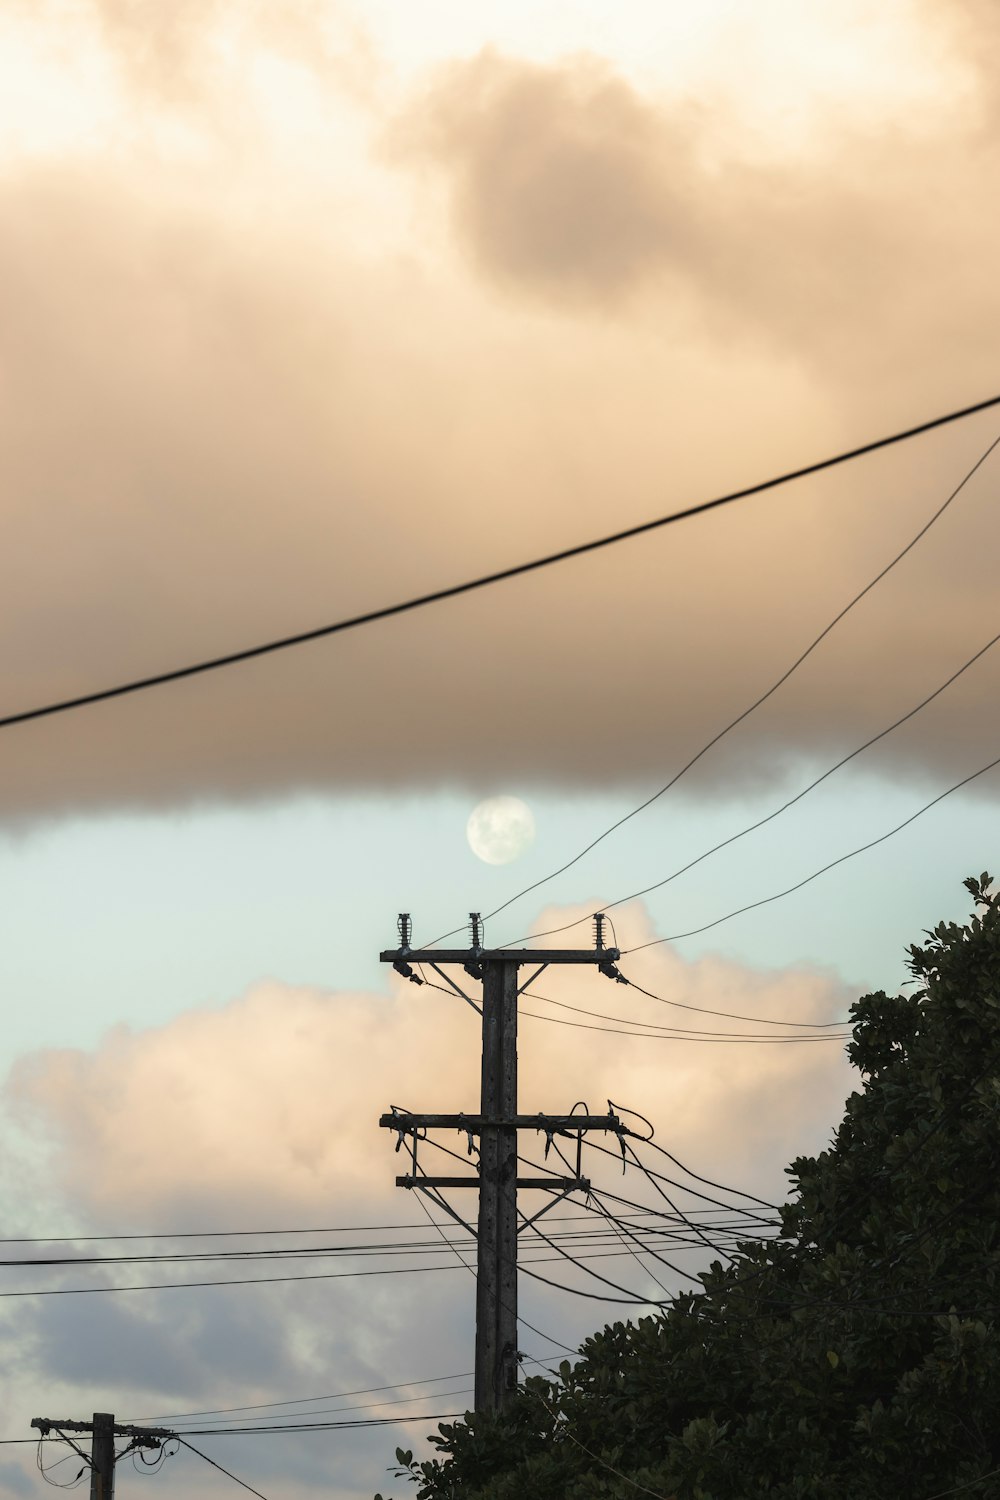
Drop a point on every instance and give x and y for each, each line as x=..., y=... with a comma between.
x=500, y=829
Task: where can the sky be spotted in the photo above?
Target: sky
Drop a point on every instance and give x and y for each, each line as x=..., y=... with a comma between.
x=308, y=309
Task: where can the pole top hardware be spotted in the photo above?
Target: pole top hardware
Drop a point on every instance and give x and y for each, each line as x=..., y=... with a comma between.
x=403, y=927
x=599, y=957
x=476, y=955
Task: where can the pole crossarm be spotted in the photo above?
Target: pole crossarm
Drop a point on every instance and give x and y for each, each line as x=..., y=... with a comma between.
x=515, y=956
x=475, y=1124
x=45, y=1425
x=564, y=1184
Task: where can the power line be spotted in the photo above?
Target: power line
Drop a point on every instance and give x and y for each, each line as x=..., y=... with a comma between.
x=439, y=1416
x=565, y=1432
x=694, y=1192
x=280, y=1421
x=241, y=1482
x=861, y=849
x=206, y=1234
x=283, y=643
x=681, y=1031
x=657, y=1034
x=739, y=1041
x=196, y=1234
x=761, y=700
x=174, y=1286
x=369, y=1390
x=817, y=781
x=731, y=1015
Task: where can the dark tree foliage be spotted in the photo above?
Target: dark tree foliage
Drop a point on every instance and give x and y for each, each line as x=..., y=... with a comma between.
x=855, y=1357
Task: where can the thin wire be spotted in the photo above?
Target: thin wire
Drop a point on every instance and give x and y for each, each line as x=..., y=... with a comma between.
x=386, y=612
x=672, y=1031
x=751, y=828
x=438, y=1416
x=862, y=849
x=547, y=1336
x=221, y=1469
x=368, y=1252
x=371, y=1390
x=748, y=1041
x=564, y=1430
x=623, y=1229
x=667, y=1199
x=207, y=1233
x=694, y=1192
x=731, y=1015
x=677, y=1034
x=764, y=696
x=280, y=1420
x=621, y=1232
x=182, y=1286
x=970, y=1484
x=707, y=1181
x=577, y=1261
x=45, y=1473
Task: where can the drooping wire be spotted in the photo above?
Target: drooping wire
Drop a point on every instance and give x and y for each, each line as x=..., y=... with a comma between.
x=851, y=854
x=218, y=1466
x=731, y=1015
x=681, y=1033
x=720, y=1037
x=46, y=1473
x=564, y=1431
x=372, y=1390
x=284, y=1421
x=624, y=1232
x=758, y=702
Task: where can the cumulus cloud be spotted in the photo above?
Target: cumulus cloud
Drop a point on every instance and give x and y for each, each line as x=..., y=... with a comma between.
x=568, y=183
x=263, y=1113
x=261, y=1106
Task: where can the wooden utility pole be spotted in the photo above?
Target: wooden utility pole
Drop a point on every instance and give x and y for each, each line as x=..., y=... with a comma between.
x=101, y=1460
x=496, y=1128
x=102, y=1457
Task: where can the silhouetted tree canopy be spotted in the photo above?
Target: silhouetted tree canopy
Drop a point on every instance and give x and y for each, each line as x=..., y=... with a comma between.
x=855, y=1357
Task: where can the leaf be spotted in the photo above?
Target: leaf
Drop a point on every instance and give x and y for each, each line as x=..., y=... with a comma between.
x=833, y=1357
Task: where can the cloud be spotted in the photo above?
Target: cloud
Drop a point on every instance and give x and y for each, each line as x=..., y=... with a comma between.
x=568, y=184
x=564, y=180
x=245, y=393
x=259, y=1108
x=263, y=1113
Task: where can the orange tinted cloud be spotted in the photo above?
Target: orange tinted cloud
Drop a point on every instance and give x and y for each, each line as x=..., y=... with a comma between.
x=268, y=1106
x=233, y=410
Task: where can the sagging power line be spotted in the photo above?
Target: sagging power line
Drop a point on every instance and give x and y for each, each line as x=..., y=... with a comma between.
x=284, y=643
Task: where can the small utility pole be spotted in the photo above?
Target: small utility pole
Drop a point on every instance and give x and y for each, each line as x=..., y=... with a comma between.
x=496, y=1127
x=101, y=1460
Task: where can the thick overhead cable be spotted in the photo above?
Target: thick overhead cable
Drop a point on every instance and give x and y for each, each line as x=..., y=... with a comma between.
x=283, y=643
x=187, y=1286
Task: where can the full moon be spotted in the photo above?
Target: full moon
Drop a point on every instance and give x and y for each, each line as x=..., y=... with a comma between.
x=500, y=829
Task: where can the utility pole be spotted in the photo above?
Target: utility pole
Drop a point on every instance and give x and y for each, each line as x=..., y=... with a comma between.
x=496, y=1127
x=101, y=1460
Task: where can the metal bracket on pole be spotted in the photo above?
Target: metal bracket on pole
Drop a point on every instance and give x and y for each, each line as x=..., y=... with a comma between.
x=439, y=971
x=581, y=1185
x=428, y=1190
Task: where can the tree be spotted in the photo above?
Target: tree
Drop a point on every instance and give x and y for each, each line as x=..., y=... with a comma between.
x=853, y=1358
